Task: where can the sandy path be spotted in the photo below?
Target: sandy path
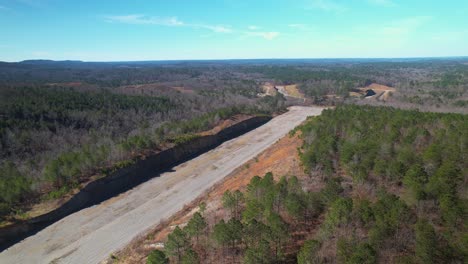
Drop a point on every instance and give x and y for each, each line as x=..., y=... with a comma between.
x=92, y=234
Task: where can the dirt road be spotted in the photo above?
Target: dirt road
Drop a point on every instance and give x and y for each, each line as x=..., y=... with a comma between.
x=291, y=91
x=92, y=234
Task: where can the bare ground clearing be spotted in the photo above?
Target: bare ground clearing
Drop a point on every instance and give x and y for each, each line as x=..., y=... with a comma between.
x=268, y=89
x=291, y=91
x=382, y=92
x=90, y=235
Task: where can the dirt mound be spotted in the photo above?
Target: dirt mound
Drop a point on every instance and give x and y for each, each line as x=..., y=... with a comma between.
x=379, y=92
x=379, y=87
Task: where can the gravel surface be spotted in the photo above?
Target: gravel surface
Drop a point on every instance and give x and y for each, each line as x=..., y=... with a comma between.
x=92, y=234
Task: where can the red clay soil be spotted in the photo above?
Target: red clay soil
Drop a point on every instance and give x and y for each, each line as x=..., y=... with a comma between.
x=281, y=159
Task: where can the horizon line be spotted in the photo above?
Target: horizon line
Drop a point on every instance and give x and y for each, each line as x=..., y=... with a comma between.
x=241, y=59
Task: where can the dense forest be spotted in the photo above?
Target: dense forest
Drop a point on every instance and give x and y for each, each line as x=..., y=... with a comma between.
x=62, y=121
x=395, y=191
x=53, y=138
x=419, y=84
x=409, y=175
x=260, y=227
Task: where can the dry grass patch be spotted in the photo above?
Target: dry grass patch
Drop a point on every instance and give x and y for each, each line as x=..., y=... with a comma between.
x=293, y=91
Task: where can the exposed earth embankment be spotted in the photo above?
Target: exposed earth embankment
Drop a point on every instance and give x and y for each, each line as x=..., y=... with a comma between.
x=92, y=234
x=127, y=178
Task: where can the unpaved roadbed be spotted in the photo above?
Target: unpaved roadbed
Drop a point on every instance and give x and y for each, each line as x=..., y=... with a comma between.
x=90, y=235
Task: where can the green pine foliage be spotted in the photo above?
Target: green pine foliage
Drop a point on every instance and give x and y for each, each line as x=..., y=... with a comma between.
x=196, y=225
x=422, y=155
x=258, y=225
x=308, y=252
x=177, y=244
x=13, y=187
x=157, y=257
x=416, y=164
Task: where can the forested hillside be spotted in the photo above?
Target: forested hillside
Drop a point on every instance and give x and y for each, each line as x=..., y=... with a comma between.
x=424, y=83
x=395, y=191
x=419, y=83
x=53, y=138
x=62, y=121
x=408, y=173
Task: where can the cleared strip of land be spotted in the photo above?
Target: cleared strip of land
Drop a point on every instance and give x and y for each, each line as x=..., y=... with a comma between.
x=90, y=235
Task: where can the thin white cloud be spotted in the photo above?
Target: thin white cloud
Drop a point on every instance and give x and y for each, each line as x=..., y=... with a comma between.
x=265, y=35
x=138, y=19
x=214, y=28
x=327, y=5
x=142, y=19
x=386, y=3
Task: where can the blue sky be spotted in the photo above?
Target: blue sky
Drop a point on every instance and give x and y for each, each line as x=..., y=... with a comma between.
x=113, y=30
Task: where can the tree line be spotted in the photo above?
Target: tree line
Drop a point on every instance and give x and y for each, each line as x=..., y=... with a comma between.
x=54, y=138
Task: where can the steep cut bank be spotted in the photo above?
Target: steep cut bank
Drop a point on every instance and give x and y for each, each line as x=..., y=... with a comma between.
x=124, y=179
x=92, y=234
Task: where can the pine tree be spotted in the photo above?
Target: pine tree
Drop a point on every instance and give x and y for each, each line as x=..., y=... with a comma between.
x=157, y=257
x=426, y=241
x=196, y=225
x=190, y=257
x=307, y=254
x=177, y=243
